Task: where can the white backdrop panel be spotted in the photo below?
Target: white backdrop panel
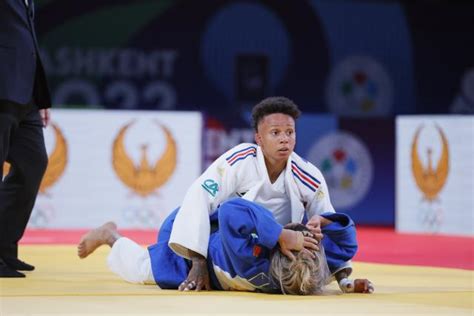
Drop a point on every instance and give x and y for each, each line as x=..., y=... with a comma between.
x=419, y=207
x=89, y=191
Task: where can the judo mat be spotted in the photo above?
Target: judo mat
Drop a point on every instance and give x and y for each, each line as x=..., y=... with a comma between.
x=63, y=284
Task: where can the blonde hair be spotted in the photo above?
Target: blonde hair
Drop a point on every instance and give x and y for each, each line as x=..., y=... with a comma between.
x=302, y=276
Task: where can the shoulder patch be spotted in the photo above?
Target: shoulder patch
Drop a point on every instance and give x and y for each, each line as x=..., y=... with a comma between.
x=241, y=155
x=211, y=186
x=319, y=195
x=304, y=177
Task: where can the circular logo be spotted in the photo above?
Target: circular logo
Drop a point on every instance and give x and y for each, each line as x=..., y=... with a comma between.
x=346, y=165
x=359, y=86
x=430, y=215
x=141, y=214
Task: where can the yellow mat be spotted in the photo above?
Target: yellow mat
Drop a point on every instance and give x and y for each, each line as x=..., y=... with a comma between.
x=65, y=285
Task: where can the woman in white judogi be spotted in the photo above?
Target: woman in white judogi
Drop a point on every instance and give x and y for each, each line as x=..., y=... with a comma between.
x=268, y=173
x=299, y=190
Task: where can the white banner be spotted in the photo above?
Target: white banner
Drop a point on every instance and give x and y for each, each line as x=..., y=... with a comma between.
x=435, y=174
x=132, y=167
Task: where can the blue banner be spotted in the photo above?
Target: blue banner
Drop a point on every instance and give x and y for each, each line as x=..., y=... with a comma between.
x=221, y=57
x=357, y=159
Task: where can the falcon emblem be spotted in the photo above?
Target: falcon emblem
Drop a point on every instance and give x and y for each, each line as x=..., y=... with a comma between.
x=429, y=179
x=145, y=177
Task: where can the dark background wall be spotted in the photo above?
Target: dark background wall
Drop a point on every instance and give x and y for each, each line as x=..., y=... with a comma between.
x=351, y=66
x=355, y=58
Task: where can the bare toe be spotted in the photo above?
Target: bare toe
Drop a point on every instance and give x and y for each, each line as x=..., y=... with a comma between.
x=95, y=238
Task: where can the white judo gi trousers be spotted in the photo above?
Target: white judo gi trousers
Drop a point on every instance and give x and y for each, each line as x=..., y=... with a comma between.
x=131, y=262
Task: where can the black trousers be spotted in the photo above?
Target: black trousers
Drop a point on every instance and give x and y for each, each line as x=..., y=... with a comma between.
x=22, y=145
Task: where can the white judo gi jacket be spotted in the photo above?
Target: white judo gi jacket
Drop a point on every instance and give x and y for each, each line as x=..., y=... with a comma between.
x=241, y=171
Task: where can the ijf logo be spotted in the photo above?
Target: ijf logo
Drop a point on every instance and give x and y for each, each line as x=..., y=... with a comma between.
x=145, y=176
x=359, y=86
x=430, y=178
x=346, y=165
x=43, y=211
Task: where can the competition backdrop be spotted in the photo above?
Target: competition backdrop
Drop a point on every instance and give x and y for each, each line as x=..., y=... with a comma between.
x=435, y=174
x=362, y=61
x=354, y=58
x=132, y=167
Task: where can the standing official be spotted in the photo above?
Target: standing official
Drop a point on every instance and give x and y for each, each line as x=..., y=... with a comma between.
x=24, y=111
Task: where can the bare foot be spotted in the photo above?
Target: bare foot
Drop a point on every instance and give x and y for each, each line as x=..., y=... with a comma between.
x=105, y=234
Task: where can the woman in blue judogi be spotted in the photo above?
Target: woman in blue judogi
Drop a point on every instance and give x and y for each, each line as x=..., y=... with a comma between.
x=243, y=253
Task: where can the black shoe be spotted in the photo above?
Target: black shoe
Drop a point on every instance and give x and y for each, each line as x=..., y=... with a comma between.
x=7, y=272
x=17, y=264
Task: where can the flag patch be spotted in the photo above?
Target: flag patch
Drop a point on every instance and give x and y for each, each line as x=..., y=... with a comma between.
x=257, y=250
x=304, y=177
x=241, y=154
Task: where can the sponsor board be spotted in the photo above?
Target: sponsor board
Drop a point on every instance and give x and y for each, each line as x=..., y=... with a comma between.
x=435, y=174
x=132, y=167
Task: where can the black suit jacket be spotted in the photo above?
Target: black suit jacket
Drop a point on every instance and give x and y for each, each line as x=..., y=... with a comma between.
x=22, y=77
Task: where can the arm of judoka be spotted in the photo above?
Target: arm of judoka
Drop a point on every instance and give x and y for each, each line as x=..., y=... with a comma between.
x=244, y=225
x=314, y=225
x=295, y=240
x=198, y=276
x=340, y=242
x=191, y=227
x=353, y=286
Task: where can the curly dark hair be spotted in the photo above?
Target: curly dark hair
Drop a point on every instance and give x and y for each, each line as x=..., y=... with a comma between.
x=273, y=105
